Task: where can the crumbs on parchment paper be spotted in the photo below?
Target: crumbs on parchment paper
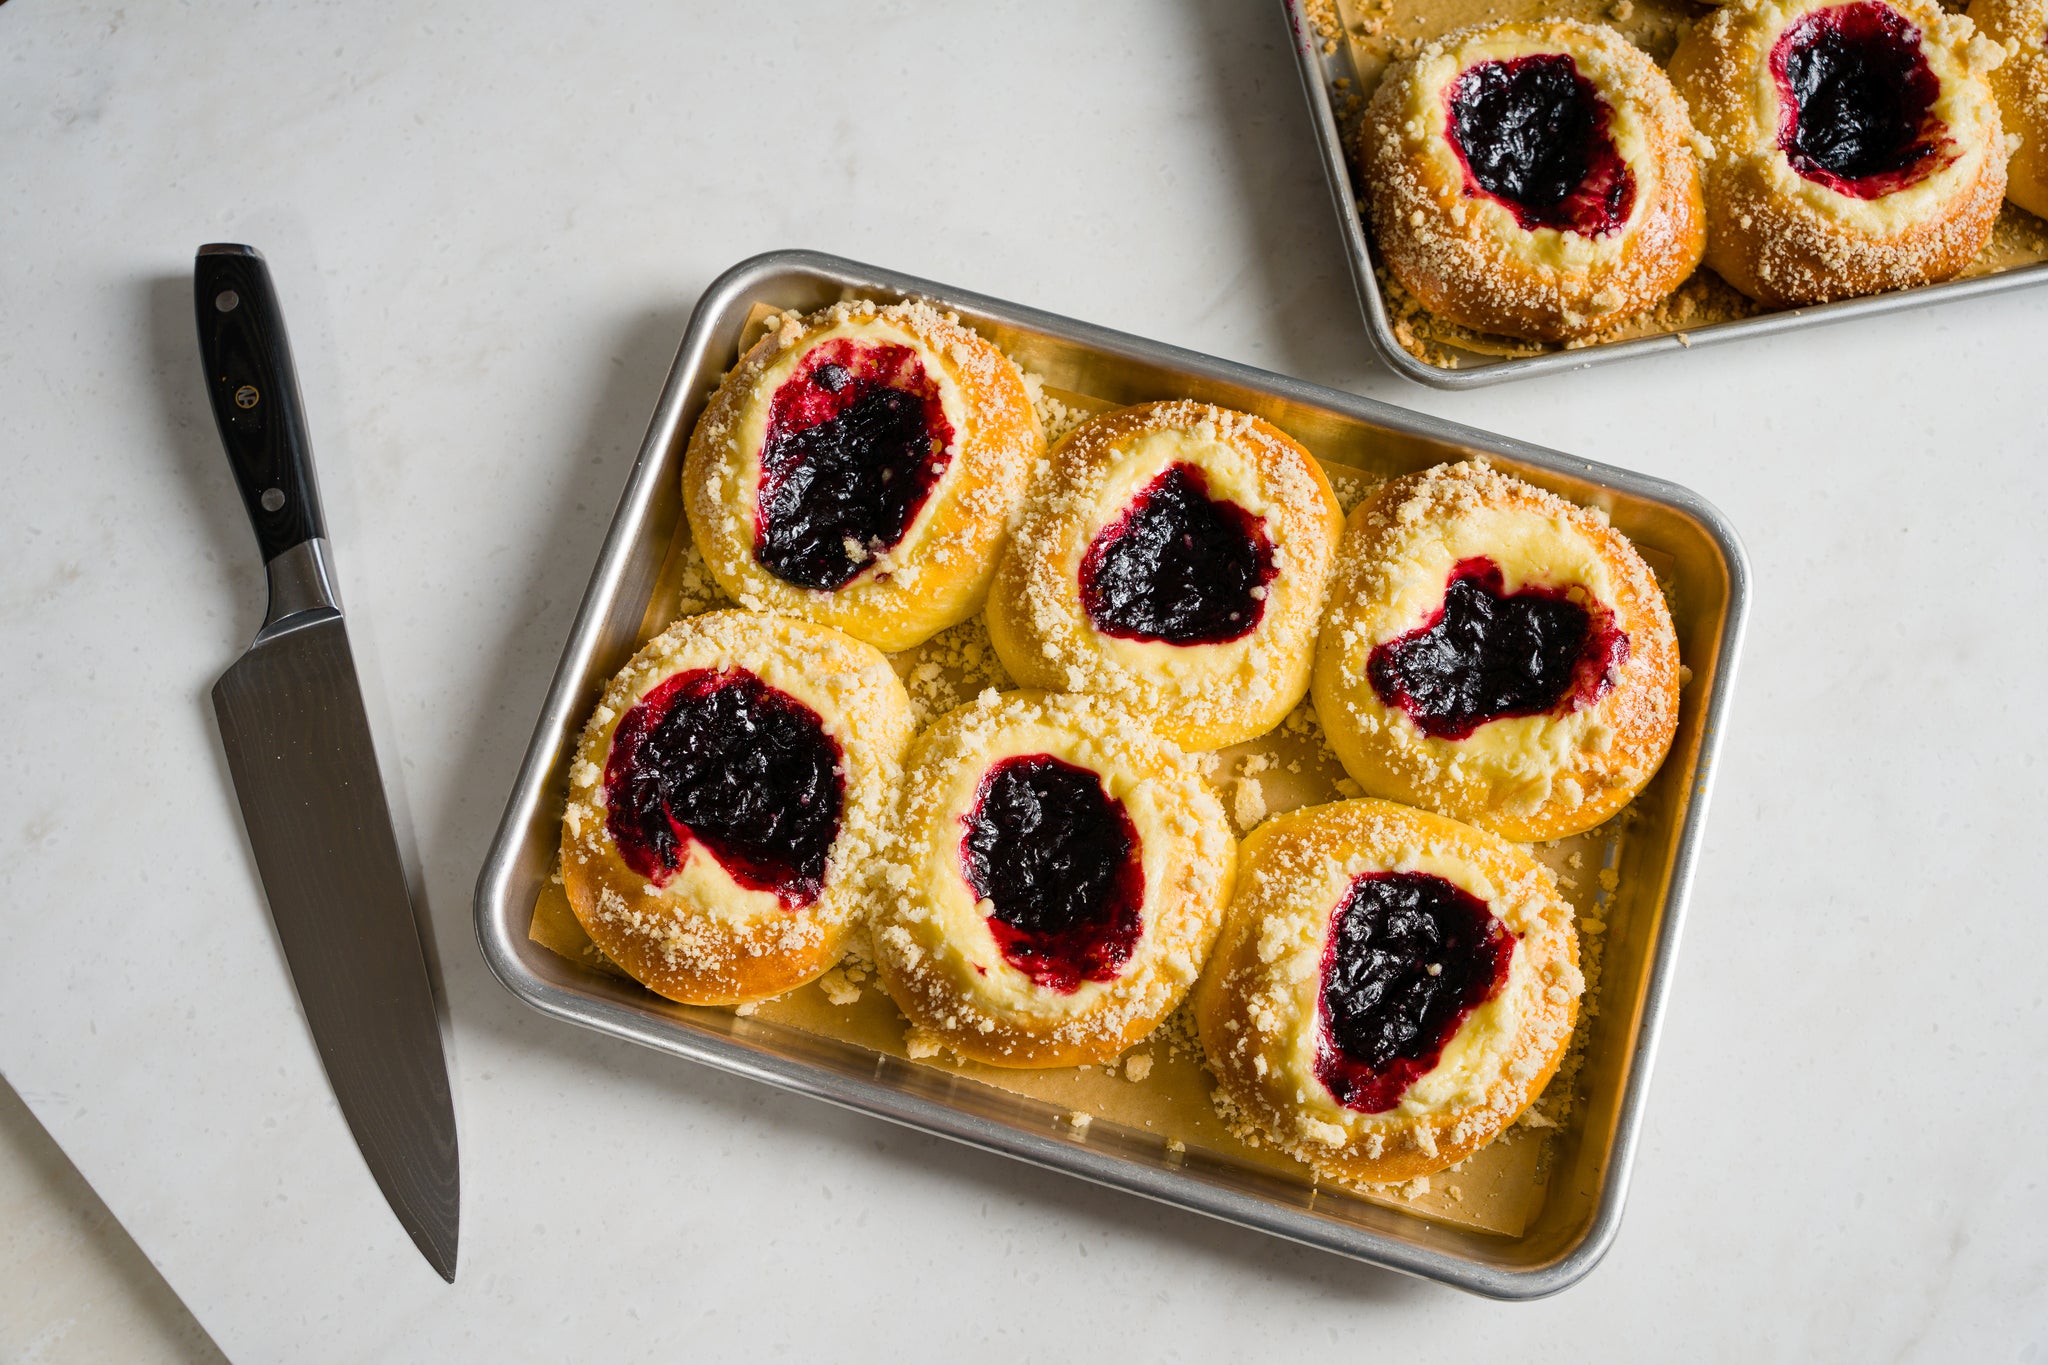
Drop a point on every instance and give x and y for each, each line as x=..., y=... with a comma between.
x=952, y=666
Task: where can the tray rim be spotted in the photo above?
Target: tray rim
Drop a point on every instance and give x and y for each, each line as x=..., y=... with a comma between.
x=1358, y=254
x=497, y=918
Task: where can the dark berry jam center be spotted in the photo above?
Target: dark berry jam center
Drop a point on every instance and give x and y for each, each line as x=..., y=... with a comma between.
x=1057, y=858
x=1410, y=955
x=1489, y=654
x=1178, y=566
x=856, y=439
x=720, y=757
x=1533, y=136
x=1856, y=100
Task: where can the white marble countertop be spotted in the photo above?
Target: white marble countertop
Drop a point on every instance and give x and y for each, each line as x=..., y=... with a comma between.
x=488, y=224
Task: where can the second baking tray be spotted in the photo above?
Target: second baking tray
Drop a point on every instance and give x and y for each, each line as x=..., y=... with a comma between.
x=1354, y=41
x=1528, y=1216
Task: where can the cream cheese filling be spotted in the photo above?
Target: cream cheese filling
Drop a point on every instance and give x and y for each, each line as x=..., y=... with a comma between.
x=1232, y=476
x=700, y=886
x=741, y=494
x=954, y=930
x=1963, y=107
x=1522, y=760
x=1476, y=1055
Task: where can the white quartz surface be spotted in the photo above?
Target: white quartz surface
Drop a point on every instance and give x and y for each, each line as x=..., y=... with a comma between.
x=488, y=224
x=73, y=1284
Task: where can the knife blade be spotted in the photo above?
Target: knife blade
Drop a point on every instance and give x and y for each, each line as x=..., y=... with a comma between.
x=305, y=773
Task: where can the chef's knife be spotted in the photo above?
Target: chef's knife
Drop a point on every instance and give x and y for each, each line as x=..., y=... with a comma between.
x=298, y=744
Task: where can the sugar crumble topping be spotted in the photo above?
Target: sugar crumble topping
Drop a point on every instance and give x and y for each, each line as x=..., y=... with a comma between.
x=2019, y=82
x=1055, y=418
x=957, y=663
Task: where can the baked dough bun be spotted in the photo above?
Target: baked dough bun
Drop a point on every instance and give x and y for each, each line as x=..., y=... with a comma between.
x=1544, y=236
x=1887, y=174
x=2020, y=84
x=1495, y=653
x=1390, y=991
x=1175, y=558
x=860, y=467
x=1059, y=876
x=728, y=802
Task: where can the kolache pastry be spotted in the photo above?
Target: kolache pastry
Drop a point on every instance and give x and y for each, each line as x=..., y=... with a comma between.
x=859, y=467
x=2020, y=84
x=1857, y=147
x=1058, y=877
x=1535, y=180
x=1176, y=558
x=1495, y=653
x=1391, y=989
x=728, y=802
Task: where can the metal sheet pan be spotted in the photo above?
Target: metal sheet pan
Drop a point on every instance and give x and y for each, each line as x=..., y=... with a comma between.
x=1590, y=1154
x=1320, y=70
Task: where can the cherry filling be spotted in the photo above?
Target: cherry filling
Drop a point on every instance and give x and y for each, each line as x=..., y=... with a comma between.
x=1178, y=566
x=1488, y=654
x=718, y=756
x=1409, y=956
x=1855, y=100
x=1057, y=857
x=1532, y=134
x=856, y=439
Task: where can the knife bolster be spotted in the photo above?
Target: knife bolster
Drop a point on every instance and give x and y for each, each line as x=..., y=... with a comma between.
x=301, y=580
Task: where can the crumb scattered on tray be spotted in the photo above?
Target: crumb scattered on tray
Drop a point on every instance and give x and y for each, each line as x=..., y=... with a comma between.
x=837, y=988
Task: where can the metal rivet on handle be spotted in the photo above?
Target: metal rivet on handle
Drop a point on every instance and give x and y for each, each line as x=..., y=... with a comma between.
x=226, y=300
x=272, y=499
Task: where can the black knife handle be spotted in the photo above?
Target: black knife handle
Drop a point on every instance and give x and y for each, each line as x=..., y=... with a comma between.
x=255, y=395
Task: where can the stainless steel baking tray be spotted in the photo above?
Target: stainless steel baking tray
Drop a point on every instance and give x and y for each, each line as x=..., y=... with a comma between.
x=1645, y=860
x=2003, y=267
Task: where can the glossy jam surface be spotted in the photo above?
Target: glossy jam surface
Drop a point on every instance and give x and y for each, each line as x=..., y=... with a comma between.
x=1178, y=566
x=1409, y=956
x=1058, y=859
x=1533, y=135
x=719, y=757
x=856, y=438
x=1488, y=654
x=1856, y=100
